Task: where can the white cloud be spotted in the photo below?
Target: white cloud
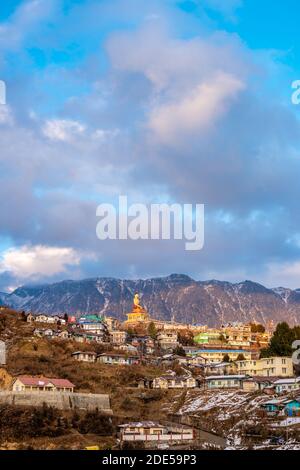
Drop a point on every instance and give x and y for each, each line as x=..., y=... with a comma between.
x=28, y=15
x=35, y=261
x=6, y=115
x=285, y=274
x=197, y=111
x=62, y=129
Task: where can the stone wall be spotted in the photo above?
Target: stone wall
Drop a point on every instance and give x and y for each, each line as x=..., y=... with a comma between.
x=2, y=353
x=62, y=401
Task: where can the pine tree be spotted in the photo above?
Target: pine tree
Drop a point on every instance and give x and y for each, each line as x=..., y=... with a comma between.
x=152, y=331
x=281, y=341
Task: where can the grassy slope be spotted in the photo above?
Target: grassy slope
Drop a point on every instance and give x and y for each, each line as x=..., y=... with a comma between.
x=37, y=356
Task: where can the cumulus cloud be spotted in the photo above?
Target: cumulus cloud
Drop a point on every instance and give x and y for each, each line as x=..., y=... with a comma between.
x=29, y=15
x=6, y=116
x=160, y=112
x=37, y=261
x=62, y=129
x=196, y=112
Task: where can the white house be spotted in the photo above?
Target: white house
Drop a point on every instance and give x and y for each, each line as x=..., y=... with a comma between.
x=152, y=432
x=117, y=359
x=173, y=381
x=85, y=356
x=167, y=339
x=224, y=381
x=287, y=385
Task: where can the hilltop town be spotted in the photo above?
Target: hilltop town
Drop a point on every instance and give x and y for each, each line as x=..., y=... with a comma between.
x=98, y=382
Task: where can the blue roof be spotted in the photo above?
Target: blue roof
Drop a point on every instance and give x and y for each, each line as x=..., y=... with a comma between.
x=225, y=351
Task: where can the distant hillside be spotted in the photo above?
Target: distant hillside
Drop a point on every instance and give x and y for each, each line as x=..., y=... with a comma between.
x=176, y=296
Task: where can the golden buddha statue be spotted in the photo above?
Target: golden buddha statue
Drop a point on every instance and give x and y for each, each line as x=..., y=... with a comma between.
x=138, y=314
x=136, y=302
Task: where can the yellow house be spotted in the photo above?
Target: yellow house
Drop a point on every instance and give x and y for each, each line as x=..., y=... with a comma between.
x=118, y=336
x=171, y=381
x=26, y=383
x=267, y=367
x=217, y=355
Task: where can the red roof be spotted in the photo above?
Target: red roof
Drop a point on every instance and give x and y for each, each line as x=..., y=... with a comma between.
x=42, y=381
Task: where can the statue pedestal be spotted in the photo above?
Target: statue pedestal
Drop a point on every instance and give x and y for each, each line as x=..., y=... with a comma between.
x=138, y=314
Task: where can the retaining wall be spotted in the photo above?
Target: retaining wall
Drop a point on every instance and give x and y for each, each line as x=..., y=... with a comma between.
x=62, y=401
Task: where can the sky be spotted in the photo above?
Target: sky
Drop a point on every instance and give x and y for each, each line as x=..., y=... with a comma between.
x=162, y=101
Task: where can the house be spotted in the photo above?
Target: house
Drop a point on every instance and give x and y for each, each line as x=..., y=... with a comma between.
x=172, y=381
x=153, y=432
x=84, y=356
x=144, y=344
x=265, y=384
x=167, y=340
x=38, y=332
x=206, y=337
x=219, y=368
x=145, y=383
x=112, y=323
x=149, y=345
x=268, y=367
x=292, y=407
x=273, y=407
x=43, y=332
x=48, y=333
x=224, y=381
x=128, y=348
x=118, y=336
x=26, y=383
x=41, y=318
x=93, y=324
x=217, y=354
x=170, y=358
x=196, y=361
x=63, y=334
x=79, y=337
x=30, y=318
x=237, y=334
x=96, y=337
x=117, y=359
x=287, y=385
x=190, y=350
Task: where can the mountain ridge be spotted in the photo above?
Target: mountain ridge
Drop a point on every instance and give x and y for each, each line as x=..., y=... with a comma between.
x=176, y=296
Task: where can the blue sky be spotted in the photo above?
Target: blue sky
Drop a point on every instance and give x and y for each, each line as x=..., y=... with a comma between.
x=177, y=101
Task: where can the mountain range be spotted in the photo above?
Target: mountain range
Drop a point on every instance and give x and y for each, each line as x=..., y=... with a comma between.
x=176, y=297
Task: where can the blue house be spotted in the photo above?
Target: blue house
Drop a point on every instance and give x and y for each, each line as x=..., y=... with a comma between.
x=292, y=407
x=273, y=407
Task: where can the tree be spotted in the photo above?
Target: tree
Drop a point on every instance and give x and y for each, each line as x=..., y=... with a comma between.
x=226, y=358
x=66, y=317
x=179, y=351
x=257, y=328
x=186, y=338
x=23, y=316
x=130, y=332
x=241, y=357
x=152, y=331
x=281, y=342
